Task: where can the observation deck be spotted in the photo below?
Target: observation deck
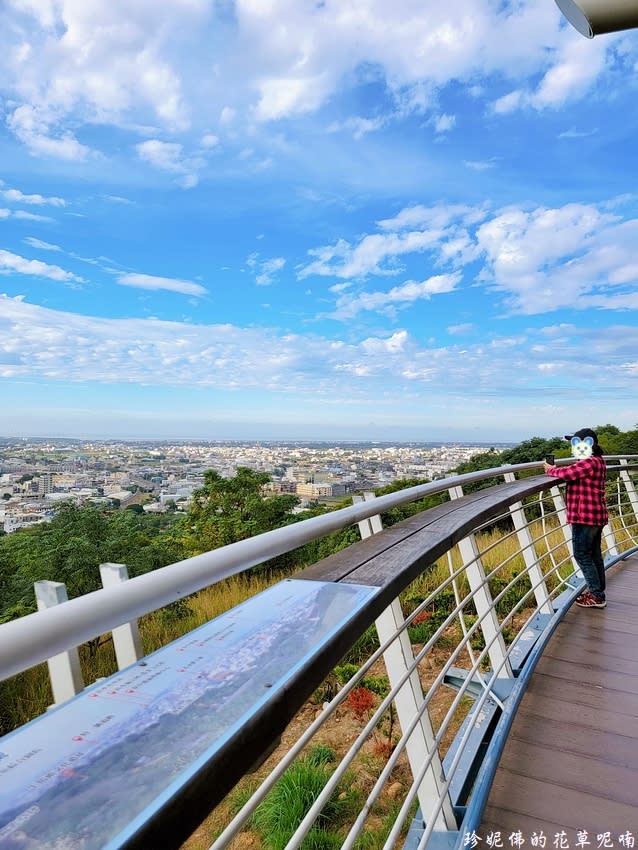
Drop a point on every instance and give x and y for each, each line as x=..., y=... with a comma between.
x=436, y=675
x=570, y=762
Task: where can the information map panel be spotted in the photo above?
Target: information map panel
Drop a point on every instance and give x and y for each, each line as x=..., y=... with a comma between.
x=86, y=774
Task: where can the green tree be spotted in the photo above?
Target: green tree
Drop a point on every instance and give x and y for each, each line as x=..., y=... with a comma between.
x=70, y=549
x=401, y=512
x=225, y=510
x=535, y=449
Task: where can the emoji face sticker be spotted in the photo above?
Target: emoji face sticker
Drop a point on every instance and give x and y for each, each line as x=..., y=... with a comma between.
x=582, y=448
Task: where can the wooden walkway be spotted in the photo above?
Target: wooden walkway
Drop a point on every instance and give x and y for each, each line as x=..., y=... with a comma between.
x=570, y=763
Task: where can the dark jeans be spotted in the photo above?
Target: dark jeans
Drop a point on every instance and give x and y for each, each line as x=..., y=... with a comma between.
x=588, y=556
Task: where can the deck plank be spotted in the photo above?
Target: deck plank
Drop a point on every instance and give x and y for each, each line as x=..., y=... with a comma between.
x=570, y=762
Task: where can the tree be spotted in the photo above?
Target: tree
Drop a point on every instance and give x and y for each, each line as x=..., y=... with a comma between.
x=72, y=546
x=226, y=510
x=402, y=512
x=535, y=449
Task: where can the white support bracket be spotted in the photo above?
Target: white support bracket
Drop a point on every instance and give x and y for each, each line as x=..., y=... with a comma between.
x=409, y=702
x=630, y=488
x=64, y=669
x=530, y=557
x=126, y=638
x=483, y=601
x=610, y=541
x=561, y=513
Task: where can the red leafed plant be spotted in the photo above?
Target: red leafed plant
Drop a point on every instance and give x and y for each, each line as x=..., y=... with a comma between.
x=421, y=617
x=360, y=701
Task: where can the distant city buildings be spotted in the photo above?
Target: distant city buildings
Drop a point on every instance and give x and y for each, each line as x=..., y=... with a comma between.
x=35, y=476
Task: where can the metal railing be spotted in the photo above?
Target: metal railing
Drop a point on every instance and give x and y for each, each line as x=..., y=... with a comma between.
x=400, y=727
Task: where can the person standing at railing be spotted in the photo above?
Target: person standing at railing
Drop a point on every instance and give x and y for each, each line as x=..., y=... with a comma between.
x=586, y=511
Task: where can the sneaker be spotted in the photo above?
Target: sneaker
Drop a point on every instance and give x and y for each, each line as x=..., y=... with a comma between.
x=588, y=600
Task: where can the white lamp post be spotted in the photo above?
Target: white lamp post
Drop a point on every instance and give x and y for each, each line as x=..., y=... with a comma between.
x=595, y=17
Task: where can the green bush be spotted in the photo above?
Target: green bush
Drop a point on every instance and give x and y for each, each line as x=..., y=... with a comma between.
x=379, y=685
x=279, y=815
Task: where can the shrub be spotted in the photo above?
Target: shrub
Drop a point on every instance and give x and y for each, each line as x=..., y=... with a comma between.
x=279, y=815
x=360, y=701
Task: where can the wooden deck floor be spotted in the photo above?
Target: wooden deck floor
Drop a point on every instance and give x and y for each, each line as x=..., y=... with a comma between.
x=570, y=763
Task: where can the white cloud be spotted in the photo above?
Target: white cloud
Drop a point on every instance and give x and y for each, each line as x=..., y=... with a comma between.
x=577, y=134
x=394, y=344
x=165, y=155
x=151, y=282
x=210, y=140
x=460, y=329
x=43, y=246
x=289, y=96
x=169, y=156
x=28, y=216
x=38, y=342
x=508, y=103
x=375, y=254
x=174, y=63
x=92, y=60
x=573, y=256
x=17, y=196
x=117, y=199
x=476, y=165
x=575, y=68
x=349, y=306
x=265, y=270
x=39, y=131
x=540, y=259
x=440, y=230
x=579, y=64
x=359, y=127
x=35, y=268
x=444, y=123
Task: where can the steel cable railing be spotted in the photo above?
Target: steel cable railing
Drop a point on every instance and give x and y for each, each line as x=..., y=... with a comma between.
x=561, y=584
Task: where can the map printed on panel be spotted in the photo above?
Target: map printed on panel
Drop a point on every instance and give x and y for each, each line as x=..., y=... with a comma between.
x=75, y=778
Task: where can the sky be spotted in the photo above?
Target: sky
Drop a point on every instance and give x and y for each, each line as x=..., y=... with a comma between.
x=315, y=219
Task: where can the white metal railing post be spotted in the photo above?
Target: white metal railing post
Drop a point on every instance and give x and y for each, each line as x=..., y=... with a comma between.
x=409, y=701
x=370, y=525
x=126, y=638
x=630, y=488
x=64, y=669
x=610, y=541
x=561, y=513
x=528, y=551
x=483, y=601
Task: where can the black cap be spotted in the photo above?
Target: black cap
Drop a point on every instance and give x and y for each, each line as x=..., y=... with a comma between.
x=584, y=432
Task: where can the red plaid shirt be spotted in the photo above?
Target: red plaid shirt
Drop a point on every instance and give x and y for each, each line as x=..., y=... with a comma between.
x=585, y=490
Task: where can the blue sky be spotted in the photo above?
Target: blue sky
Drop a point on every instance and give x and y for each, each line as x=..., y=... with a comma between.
x=315, y=219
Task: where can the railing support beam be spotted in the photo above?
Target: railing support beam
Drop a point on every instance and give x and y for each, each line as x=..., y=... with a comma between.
x=483, y=601
x=126, y=638
x=64, y=669
x=409, y=702
x=630, y=488
x=530, y=557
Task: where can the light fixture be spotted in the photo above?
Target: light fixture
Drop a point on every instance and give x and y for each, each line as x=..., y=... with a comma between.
x=595, y=17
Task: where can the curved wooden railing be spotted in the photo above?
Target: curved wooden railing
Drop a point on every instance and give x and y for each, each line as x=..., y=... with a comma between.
x=403, y=656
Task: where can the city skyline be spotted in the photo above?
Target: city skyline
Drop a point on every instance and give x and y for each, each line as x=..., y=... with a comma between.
x=232, y=219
